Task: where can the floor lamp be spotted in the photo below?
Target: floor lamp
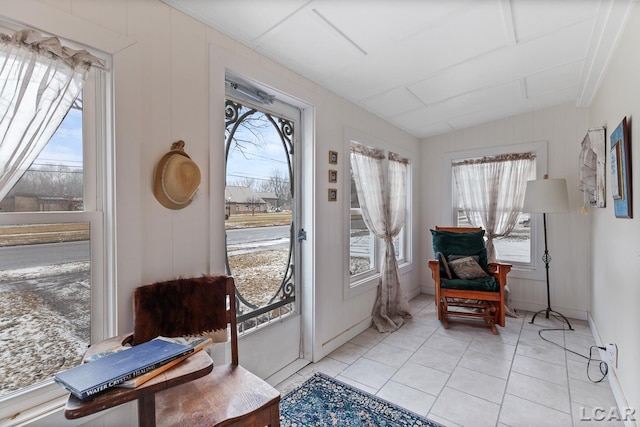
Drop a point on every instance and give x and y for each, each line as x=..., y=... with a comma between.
x=547, y=196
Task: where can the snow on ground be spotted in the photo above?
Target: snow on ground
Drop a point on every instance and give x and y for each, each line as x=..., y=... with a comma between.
x=40, y=334
x=45, y=314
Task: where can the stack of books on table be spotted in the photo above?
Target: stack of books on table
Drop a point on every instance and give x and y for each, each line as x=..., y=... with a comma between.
x=128, y=366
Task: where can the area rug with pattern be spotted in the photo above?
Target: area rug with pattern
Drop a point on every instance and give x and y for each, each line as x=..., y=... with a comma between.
x=324, y=401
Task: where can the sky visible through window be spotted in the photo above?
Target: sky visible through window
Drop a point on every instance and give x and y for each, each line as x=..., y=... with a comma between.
x=258, y=157
x=65, y=147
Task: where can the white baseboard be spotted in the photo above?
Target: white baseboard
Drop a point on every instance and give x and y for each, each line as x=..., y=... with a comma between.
x=612, y=377
x=427, y=289
x=533, y=307
x=335, y=342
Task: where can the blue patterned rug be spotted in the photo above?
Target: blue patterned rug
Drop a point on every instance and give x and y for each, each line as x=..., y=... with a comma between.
x=323, y=401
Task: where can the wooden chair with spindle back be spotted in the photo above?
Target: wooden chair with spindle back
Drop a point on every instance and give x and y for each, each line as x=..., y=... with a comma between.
x=230, y=395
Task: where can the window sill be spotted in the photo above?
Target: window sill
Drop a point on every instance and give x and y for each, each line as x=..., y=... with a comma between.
x=32, y=403
x=365, y=284
x=525, y=272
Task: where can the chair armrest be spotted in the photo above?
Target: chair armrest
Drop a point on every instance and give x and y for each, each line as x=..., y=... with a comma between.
x=434, y=265
x=500, y=271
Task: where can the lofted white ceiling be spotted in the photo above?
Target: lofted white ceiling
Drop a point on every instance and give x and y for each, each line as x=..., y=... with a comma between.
x=432, y=66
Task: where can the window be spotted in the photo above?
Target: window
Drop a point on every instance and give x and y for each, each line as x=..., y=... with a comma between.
x=488, y=193
x=55, y=255
x=519, y=247
x=365, y=249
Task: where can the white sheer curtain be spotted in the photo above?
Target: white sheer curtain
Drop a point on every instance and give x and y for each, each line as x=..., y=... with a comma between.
x=490, y=190
x=383, y=204
x=39, y=81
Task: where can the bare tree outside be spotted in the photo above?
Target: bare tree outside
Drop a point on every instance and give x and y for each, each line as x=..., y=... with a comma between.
x=258, y=157
x=45, y=267
x=50, y=180
x=254, y=203
x=246, y=181
x=279, y=185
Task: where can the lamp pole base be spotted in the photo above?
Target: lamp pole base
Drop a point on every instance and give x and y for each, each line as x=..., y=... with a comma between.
x=549, y=310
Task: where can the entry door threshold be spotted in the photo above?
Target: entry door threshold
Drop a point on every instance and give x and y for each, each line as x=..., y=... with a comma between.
x=287, y=371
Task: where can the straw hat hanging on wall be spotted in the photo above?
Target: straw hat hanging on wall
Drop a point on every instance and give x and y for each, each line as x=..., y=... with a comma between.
x=176, y=178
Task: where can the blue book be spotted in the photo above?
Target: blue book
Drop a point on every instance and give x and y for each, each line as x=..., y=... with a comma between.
x=89, y=379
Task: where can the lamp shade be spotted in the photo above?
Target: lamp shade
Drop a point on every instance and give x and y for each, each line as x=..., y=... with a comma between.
x=546, y=196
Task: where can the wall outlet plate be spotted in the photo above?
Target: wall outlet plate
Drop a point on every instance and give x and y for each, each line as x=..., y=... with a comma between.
x=611, y=355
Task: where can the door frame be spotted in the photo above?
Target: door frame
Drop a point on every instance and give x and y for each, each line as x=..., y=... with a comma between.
x=304, y=172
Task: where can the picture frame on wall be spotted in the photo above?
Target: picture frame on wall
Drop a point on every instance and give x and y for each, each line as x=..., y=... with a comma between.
x=333, y=194
x=620, y=155
x=333, y=175
x=333, y=157
x=591, y=168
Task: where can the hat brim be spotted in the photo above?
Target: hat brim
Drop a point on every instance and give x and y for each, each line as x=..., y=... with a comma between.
x=159, y=185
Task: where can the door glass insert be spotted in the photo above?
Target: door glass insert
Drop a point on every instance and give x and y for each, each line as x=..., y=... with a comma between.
x=260, y=213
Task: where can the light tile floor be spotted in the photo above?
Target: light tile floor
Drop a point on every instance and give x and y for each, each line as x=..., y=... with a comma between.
x=466, y=376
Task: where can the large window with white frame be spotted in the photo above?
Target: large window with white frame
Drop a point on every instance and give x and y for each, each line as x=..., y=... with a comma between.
x=56, y=254
x=365, y=249
x=519, y=248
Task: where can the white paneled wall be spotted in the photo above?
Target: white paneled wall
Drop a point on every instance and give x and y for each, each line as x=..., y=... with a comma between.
x=616, y=244
x=168, y=84
x=563, y=127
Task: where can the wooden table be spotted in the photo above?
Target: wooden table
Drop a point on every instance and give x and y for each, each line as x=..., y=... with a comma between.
x=196, y=366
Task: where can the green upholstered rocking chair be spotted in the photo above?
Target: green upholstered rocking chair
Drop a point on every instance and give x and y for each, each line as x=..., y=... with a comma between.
x=468, y=288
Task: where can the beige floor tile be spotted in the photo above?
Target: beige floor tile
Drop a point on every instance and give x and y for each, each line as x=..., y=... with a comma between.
x=518, y=412
x=356, y=384
x=290, y=383
x=348, y=353
x=388, y=354
x=436, y=359
x=463, y=332
x=542, y=351
x=486, y=363
x=468, y=377
x=477, y=384
x=404, y=341
x=443, y=421
x=539, y=391
x=591, y=394
x=540, y=369
x=409, y=398
x=446, y=344
x=582, y=370
x=369, y=338
x=581, y=327
x=424, y=330
x=493, y=347
x=420, y=377
x=327, y=366
x=464, y=409
x=579, y=342
x=369, y=372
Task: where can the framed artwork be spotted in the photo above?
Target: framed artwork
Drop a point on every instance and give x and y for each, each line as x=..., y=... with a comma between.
x=333, y=194
x=333, y=175
x=591, y=168
x=620, y=155
x=333, y=157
